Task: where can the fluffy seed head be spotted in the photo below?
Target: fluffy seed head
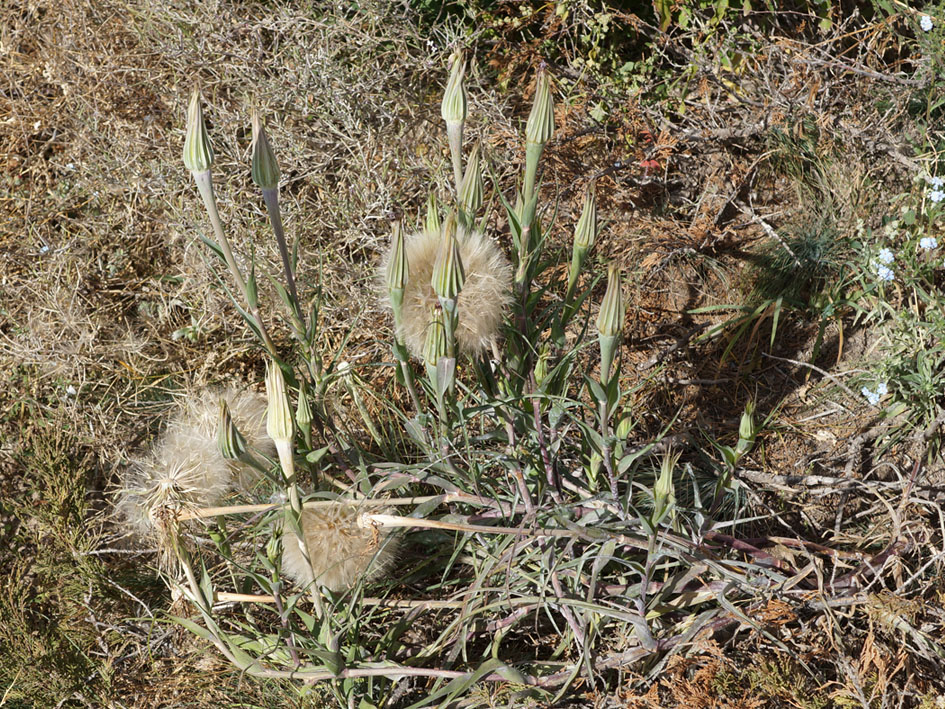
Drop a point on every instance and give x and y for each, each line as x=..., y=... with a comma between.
x=185, y=468
x=480, y=306
x=341, y=549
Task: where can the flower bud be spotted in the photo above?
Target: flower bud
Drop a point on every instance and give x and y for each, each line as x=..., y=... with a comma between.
x=265, y=168
x=664, y=491
x=470, y=193
x=610, y=323
x=398, y=271
x=586, y=230
x=279, y=418
x=448, y=273
x=230, y=441
x=612, y=311
x=303, y=412
x=432, y=224
x=747, y=430
x=453, y=107
x=541, y=121
x=435, y=346
x=198, y=155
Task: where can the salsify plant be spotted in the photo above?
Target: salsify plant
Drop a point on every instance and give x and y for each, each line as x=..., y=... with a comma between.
x=527, y=508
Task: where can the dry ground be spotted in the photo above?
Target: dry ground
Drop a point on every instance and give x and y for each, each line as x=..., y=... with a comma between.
x=108, y=307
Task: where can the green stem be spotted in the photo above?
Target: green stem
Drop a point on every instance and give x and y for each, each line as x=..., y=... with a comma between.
x=271, y=197
x=205, y=187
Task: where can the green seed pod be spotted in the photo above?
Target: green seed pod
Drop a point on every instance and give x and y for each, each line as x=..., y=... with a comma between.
x=586, y=230
x=278, y=414
x=303, y=412
x=230, y=441
x=265, y=167
x=198, y=155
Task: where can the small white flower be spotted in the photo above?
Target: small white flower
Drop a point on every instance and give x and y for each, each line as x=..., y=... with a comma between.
x=885, y=273
x=882, y=389
x=936, y=195
x=936, y=182
x=886, y=256
x=71, y=391
x=928, y=243
x=926, y=23
x=871, y=396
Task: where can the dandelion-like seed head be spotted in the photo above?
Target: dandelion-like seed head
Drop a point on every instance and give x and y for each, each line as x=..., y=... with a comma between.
x=342, y=548
x=185, y=468
x=480, y=305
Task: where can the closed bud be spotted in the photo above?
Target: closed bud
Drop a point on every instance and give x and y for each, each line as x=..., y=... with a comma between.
x=453, y=107
x=279, y=418
x=610, y=323
x=541, y=121
x=747, y=430
x=448, y=274
x=398, y=270
x=541, y=365
x=435, y=346
x=265, y=168
x=303, y=410
x=278, y=413
x=432, y=224
x=586, y=230
x=470, y=193
x=230, y=441
x=664, y=491
x=198, y=155
x=612, y=311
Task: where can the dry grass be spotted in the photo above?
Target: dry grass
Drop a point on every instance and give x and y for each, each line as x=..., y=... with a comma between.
x=109, y=307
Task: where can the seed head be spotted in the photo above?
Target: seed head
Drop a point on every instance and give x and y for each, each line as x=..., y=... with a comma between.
x=480, y=305
x=341, y=550
x=186, y=468
x=198, y=155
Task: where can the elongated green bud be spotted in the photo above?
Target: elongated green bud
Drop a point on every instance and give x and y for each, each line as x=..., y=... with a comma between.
x=303, y=413
x=470, y=193
x=265, y=168
x=398, y=271
x=432, y=224
x=586, y=230
x=279, y=418
x=453, y=110
x=610, y=323
x=541, y=121
x=198, y=155
x=434, y=347
x=747, y=430
x=448, y=274
x=664, y=491
x=230, y=441
x=453, y=107
x=538, y=131
x=584, y=234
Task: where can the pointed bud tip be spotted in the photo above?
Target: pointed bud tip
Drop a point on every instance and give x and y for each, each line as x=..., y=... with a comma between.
x=198, y=154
